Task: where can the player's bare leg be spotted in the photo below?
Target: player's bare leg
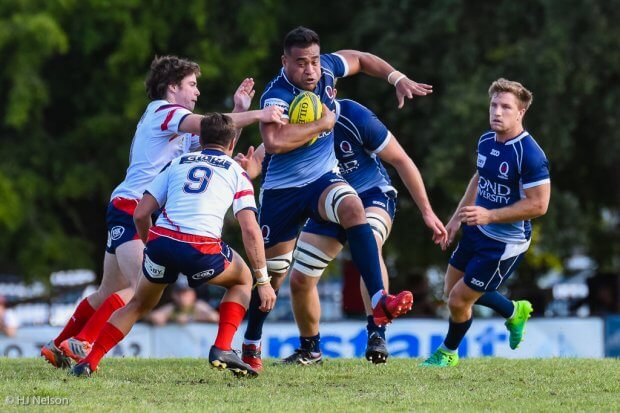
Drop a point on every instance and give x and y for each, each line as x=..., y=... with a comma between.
x=305, y=297
x=460, y=302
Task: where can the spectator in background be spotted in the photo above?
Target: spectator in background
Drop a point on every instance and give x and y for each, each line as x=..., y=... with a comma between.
x=184, y=308
x=8, y=321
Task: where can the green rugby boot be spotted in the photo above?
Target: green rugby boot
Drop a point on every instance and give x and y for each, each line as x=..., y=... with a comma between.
x=441, y=358
x=516, y=324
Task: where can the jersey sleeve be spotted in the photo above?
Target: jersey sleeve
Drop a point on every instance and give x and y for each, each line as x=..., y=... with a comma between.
x=534, y=167
x=158, y=188
x=191, y=143
x=168, y=117
x=244, y=192
x=335, y=63
x=277, y=97
x=375, y=135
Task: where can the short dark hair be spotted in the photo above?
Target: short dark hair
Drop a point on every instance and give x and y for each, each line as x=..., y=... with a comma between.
x=301, y=37
x=167, y=70
x=216, y=128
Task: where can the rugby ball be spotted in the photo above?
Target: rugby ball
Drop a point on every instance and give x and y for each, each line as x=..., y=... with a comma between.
x=305, y=108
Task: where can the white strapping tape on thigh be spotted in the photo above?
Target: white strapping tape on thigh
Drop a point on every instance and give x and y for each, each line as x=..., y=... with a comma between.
x=378, y=225
x=309, y=260
x=280, y=264
x=334, y=198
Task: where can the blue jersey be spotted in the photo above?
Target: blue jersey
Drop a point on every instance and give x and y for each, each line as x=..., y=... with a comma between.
x=505, y=169
x=358, y=136
x=309, y=162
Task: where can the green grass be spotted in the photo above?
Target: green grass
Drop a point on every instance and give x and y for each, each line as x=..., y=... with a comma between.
x=341, y=385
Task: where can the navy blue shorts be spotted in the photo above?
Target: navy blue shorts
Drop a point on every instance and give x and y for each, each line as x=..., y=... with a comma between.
x=169, y=253
x=373, y=197
x=119, y=220
x=284, y=211
x=486, y=262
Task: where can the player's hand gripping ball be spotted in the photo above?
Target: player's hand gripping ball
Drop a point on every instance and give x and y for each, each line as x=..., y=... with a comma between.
x=306, y=108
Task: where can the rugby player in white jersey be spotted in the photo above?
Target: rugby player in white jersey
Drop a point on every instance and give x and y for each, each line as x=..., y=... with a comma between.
x=302, y=179
x=194, y=192
x=167, y=129
x=510, y=187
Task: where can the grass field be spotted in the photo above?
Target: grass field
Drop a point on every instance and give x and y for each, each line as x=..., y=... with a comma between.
x=340, y=385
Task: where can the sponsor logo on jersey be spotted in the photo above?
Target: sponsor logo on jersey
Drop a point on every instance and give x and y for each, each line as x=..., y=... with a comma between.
x=153, y=269
x=493, y=191
x=346, y=148
x=203, y=274
x=481, y=160
x=494, y=152
x=503, y=170
x=117, y=232
x=279, y=103
x=381, y=204
x=266, y=231
x=477, y=282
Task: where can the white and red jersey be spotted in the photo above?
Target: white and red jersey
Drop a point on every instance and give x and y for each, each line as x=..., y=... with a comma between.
x=197, y=189
x=156, y=142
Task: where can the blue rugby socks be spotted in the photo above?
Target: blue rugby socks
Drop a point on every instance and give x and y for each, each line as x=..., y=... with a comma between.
x=456, y=332
x=256, y=318
x=365, y=255
x=371, y=327
x=497, y=302
x=311, y=344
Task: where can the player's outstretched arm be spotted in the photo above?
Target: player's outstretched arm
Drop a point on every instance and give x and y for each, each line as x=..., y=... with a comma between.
x=255, y=251
x=142, y=215
x=282, y=138
x=396, y=156
x=271, y=114
x=534, y=204
x=252, y=161
x=373, y=65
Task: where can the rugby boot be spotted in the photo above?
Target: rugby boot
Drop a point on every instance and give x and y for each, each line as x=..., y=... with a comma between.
x=376, y=349
x=229, y=360
x=81, y=370
x=251, y=354
x=303, y=357
x=391, y=306
x=516, y=324
x=75, y=349
x=55, y=356
x=441, y=358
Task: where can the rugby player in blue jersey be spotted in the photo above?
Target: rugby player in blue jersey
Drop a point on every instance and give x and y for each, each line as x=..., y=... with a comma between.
x=511, y=187
x=361, y=142
x=302, y=179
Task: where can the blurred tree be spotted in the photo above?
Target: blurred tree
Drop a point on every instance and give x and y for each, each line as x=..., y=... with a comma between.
x=73, y=72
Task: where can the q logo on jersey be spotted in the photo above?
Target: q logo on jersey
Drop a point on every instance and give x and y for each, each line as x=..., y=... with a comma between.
x=329, y=91
x=346, y=148
x=266, y=231
x=503, y=170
